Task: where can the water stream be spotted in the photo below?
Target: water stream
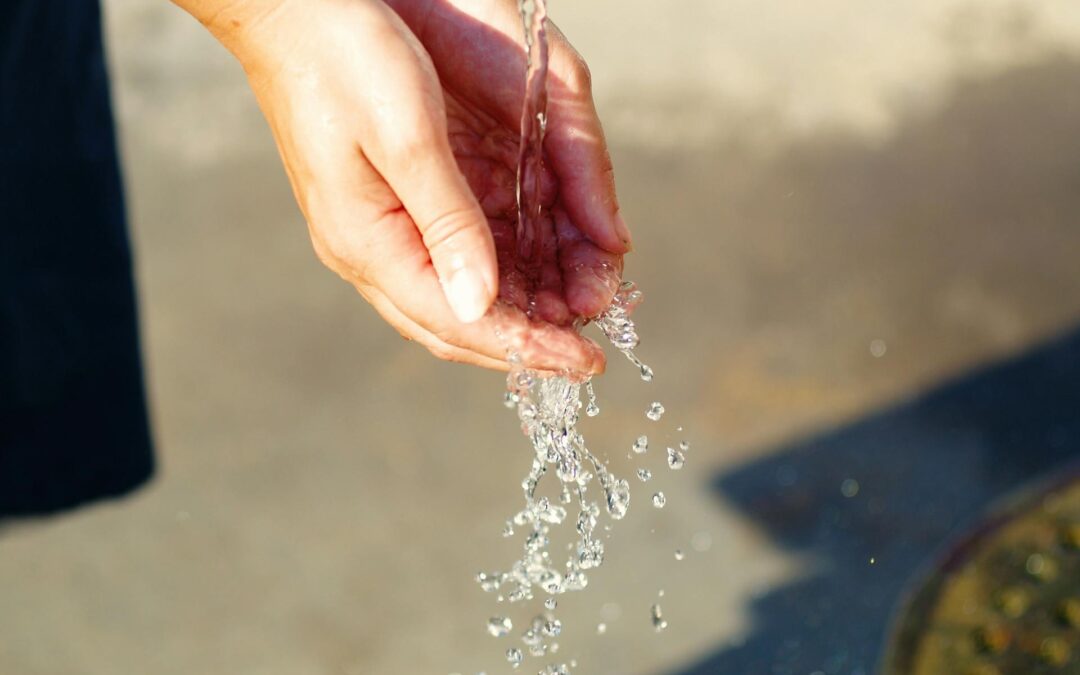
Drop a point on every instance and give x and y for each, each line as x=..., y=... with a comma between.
x=584, y=491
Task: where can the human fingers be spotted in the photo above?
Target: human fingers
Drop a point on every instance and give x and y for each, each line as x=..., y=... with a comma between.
x=406, y=141
x=411, y=330
x=478, y=47
x=541, y=345
x=577, y=150
x=590, y=274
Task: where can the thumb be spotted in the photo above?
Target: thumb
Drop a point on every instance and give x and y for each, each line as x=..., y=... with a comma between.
x=426, y=178
x=408, y=144
x=457, y=236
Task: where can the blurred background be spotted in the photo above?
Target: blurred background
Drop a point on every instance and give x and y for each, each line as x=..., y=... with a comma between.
x=857, y=226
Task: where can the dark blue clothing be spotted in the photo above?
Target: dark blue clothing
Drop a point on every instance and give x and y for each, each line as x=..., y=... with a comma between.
x=73, y=421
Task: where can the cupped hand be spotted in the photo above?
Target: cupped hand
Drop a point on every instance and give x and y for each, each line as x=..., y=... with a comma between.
x=398, y=127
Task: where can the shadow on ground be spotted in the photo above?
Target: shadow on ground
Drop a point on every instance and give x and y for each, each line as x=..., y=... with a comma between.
x=925, y=471
x=869, y=504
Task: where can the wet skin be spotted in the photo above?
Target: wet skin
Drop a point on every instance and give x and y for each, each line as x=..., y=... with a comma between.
x=398, y=125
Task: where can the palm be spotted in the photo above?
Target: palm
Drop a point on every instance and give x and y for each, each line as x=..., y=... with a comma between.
x=357, y=111
x=481, y=71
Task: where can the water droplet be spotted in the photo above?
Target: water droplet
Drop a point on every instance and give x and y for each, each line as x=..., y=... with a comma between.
x=499, y=626
x=551, y=581
x=576, y=580
x=552, y=628
x=601, y=628
x=618, y=499
x=525, y=379
x=644, y=475
x=531, y=636
x=488, y=582
x=683, y=445
x=586, y=521
x=551, y=603
x=849, y=488
x=564, y=496
x=514, y=656
x=659, y=500
x=675, y=459
x=646, y=373
x=590, y=554
x=552, y=514
x=641, y=445
x=658, y=620
x=519, y=594
x=679, y=555
x=655, y=411
x=592, y=409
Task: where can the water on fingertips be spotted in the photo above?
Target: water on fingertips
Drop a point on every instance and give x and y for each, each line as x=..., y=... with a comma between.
x=568, y=491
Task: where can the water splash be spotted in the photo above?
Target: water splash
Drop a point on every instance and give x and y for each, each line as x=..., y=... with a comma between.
x=617, y=326
x=592, y=409
x=655, y=411
x=499, y=626
x=514, y=657
x=549, y=411
x=658, y=621
x=675, y=459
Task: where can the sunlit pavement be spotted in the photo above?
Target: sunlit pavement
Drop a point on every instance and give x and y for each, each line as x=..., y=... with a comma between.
x=856, y=229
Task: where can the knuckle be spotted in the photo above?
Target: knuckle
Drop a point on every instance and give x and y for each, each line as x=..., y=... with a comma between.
x=450, y=226
x=580, y=76
x=344, y=252
x=340, y=253
x=412, y=148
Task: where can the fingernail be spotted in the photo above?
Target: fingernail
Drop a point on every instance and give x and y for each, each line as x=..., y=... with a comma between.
x=468, y=294
x=623, y=232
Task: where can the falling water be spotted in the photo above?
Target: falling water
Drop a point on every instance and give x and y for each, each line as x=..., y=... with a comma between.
x=533, y=125
x=549, y=411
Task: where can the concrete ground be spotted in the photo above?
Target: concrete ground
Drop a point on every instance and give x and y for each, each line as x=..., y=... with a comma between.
x=857, y=228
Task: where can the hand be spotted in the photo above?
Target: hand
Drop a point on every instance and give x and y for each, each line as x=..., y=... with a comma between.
x=398, y=127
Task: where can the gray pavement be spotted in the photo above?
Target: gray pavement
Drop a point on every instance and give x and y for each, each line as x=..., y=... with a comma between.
x=836, y=210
